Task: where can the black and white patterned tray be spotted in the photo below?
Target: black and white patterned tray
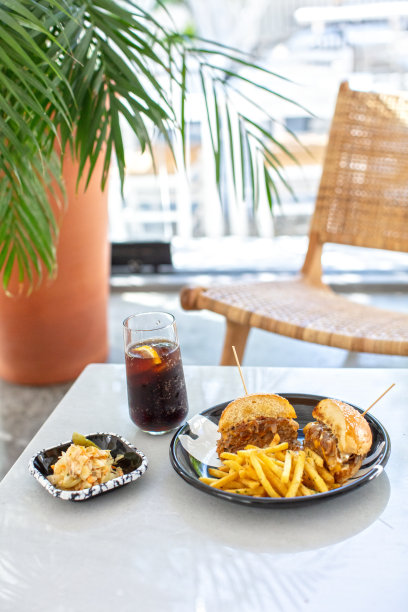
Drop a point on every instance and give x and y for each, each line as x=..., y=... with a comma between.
x=193, y=452
x=133, y=465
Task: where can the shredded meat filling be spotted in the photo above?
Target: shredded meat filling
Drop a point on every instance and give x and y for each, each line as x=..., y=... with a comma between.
x=260, y=432
x=321, y=439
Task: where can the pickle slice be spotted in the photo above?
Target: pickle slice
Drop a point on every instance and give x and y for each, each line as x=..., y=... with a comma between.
x=79, y=439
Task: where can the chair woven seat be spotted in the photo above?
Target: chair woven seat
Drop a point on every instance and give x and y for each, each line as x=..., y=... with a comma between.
x=315, y=314
x=363, y=202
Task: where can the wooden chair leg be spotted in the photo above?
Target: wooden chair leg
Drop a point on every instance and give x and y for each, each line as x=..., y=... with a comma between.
x=236, y=334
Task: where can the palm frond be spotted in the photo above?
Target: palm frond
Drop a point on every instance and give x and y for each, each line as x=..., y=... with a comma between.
x=29, y=228
x=73, y=71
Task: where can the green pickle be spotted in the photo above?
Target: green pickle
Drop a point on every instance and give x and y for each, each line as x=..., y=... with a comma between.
x=81, y=440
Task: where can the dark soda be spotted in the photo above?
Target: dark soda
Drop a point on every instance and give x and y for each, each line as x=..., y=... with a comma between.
x=156, y=387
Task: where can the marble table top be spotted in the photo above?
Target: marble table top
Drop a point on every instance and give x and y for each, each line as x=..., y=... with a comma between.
x=161, y=544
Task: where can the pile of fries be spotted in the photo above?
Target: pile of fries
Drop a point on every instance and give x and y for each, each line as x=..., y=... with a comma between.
x=274, y=471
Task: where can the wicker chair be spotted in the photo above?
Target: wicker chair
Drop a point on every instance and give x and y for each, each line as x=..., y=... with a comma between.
x=362, y=201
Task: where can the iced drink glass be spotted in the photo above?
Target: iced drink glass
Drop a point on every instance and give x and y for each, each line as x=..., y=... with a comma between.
x=156, y=387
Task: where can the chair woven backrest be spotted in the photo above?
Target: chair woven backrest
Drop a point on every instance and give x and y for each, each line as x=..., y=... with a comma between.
x=363, y=194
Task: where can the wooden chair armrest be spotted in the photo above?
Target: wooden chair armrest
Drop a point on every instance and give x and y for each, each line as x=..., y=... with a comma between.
x=189, y=297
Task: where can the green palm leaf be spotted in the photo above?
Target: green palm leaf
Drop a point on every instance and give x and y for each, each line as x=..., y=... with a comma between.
x=72, y=71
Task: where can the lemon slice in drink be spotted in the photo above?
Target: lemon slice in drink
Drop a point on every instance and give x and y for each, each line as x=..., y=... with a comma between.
x=148, y=352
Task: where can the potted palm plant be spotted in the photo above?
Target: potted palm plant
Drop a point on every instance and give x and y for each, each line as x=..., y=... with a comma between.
x=72, y=73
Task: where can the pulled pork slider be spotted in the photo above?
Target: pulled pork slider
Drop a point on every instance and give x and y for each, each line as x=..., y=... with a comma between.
x=340, y=435
x=255, y=419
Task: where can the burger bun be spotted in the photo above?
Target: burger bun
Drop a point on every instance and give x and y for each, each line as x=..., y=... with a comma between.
x=351, y=429
x=255, y=405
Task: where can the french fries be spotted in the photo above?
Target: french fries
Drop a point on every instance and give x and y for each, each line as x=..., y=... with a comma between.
x=297, y=474
x=286, y=467
x=274, y=471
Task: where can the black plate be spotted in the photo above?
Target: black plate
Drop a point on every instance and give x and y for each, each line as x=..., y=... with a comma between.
x=133, y=464
x=196, y=429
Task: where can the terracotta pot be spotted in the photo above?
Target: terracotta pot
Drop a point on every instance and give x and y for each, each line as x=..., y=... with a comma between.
x=52, y=334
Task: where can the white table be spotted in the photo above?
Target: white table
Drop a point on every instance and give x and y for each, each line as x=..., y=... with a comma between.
x=160, y=544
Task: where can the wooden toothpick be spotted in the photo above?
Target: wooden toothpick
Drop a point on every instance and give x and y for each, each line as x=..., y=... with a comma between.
x=239, y=368
x=378, y=398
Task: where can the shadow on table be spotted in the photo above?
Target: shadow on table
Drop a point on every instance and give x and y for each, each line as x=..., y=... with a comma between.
x=287, y=529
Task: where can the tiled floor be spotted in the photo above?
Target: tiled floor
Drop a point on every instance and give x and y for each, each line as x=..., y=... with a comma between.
x=23, y=409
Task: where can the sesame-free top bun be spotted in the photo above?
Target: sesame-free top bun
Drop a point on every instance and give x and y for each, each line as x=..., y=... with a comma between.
x=352, y=431
x=255, y=405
